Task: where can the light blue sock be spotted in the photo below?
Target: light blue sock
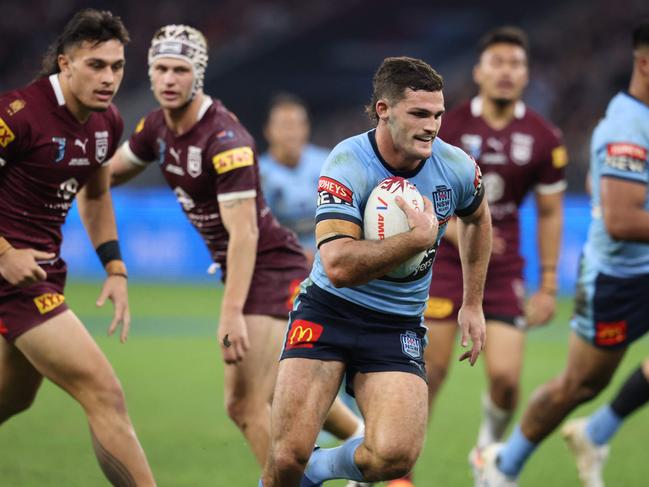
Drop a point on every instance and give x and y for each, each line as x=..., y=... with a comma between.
x=602, y=425
x=515, y=453
x=261, y=484
x=335, y=463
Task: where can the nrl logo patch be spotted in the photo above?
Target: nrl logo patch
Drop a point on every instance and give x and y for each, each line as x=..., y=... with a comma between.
x=411, y=344
x=194, y=161
x=442, y=201
x=101, y=146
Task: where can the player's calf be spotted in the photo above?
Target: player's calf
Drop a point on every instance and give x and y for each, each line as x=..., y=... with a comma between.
x=384, y=461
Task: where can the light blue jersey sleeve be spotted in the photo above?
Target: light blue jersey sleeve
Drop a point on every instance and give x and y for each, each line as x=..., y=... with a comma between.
x=467, y=180
x=621, y=150
x=342, y=185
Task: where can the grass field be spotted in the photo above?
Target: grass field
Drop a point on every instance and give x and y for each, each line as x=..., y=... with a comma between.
x=172, y=373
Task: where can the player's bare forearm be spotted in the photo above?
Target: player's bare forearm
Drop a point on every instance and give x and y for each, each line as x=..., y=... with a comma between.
x=122, y=170
x=474, y=244
x=548, y=234
x=240, y=221
x=353, y=262
x=96, y=208
x=350, y=262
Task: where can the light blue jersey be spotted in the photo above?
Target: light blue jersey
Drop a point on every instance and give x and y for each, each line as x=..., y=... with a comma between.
x=618, y=149
x=289, y=191
x=449, y=178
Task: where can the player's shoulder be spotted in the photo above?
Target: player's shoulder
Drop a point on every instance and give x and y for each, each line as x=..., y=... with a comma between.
x=539, y=126
x=224, y=126
x=352, y=151
x=626, y=118
x=450, y=154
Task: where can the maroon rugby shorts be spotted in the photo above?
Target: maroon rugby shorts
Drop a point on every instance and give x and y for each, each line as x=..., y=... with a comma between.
x=22, y=309
x=504, y=295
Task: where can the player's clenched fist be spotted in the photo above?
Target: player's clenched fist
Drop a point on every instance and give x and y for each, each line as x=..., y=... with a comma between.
x=423, y=224
x=19, y=267
x=233, y=336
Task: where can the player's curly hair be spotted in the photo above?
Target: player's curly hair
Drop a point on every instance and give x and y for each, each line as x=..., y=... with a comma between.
x=395, y=75
x=94, y=26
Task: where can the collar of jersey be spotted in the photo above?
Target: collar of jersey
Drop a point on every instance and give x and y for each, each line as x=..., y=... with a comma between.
x=643, y=104
x=371, y=135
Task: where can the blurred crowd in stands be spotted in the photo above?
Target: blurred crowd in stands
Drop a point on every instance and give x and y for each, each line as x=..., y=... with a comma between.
x=579, y=52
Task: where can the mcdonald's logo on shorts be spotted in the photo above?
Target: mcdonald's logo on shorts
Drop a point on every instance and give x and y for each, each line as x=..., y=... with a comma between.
x=303, y=334
x=49, y=301
x=610, y=333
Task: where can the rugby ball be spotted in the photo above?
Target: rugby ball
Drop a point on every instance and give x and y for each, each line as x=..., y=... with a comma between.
x=383, y=218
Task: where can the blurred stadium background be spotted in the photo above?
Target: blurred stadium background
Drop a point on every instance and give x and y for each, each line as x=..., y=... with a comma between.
x=326, y=52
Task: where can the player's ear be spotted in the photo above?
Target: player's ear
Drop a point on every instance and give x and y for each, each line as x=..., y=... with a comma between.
x=382, y=108
x=63, y=61
x=477, y=74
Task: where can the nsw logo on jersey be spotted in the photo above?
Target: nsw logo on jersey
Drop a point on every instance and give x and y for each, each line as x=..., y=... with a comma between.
x=442, y=198
x=331, y=191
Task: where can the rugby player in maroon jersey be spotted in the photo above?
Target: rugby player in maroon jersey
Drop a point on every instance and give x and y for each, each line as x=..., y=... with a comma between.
x=56, y=137
x=518, y=152
x=210, y=162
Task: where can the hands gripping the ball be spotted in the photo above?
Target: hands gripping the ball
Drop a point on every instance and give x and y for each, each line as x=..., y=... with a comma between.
x=424, y=226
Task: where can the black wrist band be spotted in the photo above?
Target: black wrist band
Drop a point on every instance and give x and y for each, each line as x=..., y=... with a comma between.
x=108, y=251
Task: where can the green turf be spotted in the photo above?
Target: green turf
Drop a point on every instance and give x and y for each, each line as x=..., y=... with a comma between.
x=172, y=373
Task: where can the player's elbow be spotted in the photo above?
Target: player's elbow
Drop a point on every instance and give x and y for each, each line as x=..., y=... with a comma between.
x=338, y=276
x=617, y=227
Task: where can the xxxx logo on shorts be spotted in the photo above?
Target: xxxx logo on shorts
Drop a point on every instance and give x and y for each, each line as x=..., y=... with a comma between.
x=49, y=301
x=303, y=334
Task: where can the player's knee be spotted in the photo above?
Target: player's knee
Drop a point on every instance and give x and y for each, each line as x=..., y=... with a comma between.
x=286, y=458
x=392, y=461
x=582, y=389
x=106, y=396
x=504, y=389
x=239, y=410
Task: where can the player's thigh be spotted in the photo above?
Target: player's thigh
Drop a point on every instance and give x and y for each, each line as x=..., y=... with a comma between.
x=255, y=375
x=395, y=407
x=439, y=349
x=504, y=351
x=305, y=390
x=589, y=369
x=62, y=350
x=19, y=380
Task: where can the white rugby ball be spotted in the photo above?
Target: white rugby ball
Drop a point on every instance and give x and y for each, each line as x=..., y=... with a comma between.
x=383, y=218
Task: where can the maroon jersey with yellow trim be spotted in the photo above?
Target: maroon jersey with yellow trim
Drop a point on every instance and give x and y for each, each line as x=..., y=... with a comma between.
x=215, y=161
x=525, y=155
x=46, y=156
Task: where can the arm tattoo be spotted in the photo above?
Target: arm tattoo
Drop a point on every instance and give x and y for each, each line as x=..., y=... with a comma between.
x=114, y=470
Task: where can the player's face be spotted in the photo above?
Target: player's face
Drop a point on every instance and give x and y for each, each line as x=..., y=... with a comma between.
x=93, y=73
x=172, y=81
x=502, y=72
x=414, y=122
x=288, y=129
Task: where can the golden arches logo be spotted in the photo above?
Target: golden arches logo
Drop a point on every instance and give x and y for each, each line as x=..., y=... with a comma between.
x=303, y=334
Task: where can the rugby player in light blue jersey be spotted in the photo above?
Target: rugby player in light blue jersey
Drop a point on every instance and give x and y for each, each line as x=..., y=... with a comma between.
x=291, y=167
x=611, y=305
x=350, y=318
